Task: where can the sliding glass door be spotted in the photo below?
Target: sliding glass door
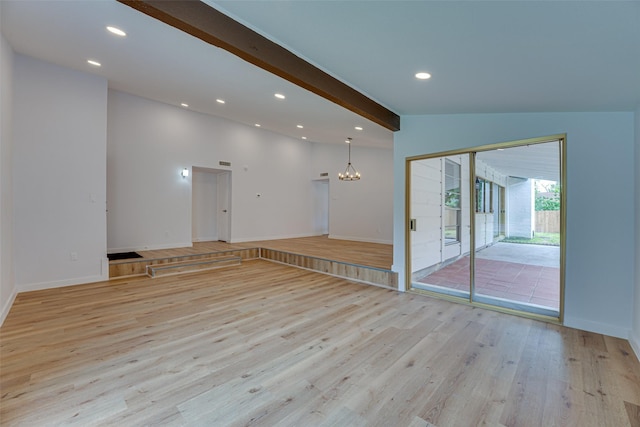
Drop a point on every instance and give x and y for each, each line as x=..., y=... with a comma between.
x=485, y=226
x=440, y=236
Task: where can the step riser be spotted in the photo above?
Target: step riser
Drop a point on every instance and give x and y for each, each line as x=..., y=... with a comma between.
x=190, y=267
x=369, y=275
x=138, y=267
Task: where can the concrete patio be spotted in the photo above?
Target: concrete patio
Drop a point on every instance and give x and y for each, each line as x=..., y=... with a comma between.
x=516, y=272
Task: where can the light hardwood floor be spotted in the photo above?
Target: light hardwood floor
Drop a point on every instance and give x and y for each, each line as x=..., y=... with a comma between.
x=362, y=253
x=266, y=344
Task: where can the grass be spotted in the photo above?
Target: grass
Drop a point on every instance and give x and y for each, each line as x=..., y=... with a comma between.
x=551, y=239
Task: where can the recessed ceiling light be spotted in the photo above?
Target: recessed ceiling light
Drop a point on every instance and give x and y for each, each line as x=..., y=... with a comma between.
x=94, y=63
x=220, y=101
x=257, y=125
x=280, y=96
x=304, y=137
x=185, y=105
x=116, y=31
x=423, y=76
x=300, y=126
x=358, y=128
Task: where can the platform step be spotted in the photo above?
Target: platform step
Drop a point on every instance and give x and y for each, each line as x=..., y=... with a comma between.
x=156, y=270
x=371, y=275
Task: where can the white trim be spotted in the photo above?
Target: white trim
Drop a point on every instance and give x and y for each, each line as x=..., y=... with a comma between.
x=63, y=283
x=205, y=239
x=361, y=239
x=597, y=327
x=150, y=248
x=7, y=305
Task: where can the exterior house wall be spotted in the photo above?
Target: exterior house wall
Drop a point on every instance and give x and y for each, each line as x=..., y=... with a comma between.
x=520, y=208
x=426, y=209
x=485, y=222
x=428, y=248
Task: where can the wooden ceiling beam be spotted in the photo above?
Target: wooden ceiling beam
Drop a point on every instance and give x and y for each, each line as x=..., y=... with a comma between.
x=212, y=26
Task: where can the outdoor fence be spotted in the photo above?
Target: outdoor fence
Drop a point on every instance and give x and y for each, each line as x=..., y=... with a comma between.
x=547, y=221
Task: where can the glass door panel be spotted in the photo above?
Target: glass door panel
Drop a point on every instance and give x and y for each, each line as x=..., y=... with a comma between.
x=440, y=224
x=518, y=265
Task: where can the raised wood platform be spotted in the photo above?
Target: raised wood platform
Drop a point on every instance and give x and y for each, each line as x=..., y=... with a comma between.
x=360, y=261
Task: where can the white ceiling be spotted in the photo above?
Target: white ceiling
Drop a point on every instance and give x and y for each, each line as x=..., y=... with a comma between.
x=485, y=57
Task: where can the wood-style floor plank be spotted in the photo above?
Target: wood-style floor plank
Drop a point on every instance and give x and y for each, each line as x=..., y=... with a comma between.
x=377, y=255
x=265, y=344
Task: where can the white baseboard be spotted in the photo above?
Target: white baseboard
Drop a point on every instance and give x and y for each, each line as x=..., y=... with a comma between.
x=206, y=239
x=6, y=307
x=63, y=283
x=361, y=239
x=149, y=247
x=597, y=327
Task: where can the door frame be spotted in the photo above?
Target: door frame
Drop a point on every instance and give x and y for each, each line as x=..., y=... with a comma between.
x=562, y=140
x=223, y=198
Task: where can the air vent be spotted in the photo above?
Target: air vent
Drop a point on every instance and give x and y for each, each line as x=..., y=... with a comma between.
x=224, y=163
x=324, y=174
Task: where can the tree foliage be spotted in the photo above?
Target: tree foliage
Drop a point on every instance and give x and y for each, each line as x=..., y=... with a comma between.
x=548, y=200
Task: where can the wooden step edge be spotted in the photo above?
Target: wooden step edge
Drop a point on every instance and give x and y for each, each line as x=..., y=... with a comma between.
x=153, y=269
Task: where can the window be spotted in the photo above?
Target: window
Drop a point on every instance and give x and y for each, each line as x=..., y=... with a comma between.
x=451, y=202
x=484, y=196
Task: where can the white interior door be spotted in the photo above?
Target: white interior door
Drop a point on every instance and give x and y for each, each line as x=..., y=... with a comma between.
x=204, y=200
x=224, y=206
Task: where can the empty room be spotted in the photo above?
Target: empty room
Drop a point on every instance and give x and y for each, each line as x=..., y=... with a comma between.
x=320, y=213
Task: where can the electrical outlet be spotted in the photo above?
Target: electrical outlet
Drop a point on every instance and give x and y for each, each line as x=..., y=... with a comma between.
x=73, y=256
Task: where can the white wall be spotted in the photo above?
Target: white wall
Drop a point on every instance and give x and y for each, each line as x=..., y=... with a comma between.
x=635, y=331
x=150, y=205
x=7, y=279
x=358, y=210
x=59, y=168
x=600, y=272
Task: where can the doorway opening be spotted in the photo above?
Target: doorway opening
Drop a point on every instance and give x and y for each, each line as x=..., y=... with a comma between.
x=321, y=206
x=485, y=226
x=211, y=205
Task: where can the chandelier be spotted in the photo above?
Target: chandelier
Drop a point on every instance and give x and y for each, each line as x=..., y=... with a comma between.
x=350, y=173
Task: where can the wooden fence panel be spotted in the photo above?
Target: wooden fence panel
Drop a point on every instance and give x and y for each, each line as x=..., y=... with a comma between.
x=548, y=221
